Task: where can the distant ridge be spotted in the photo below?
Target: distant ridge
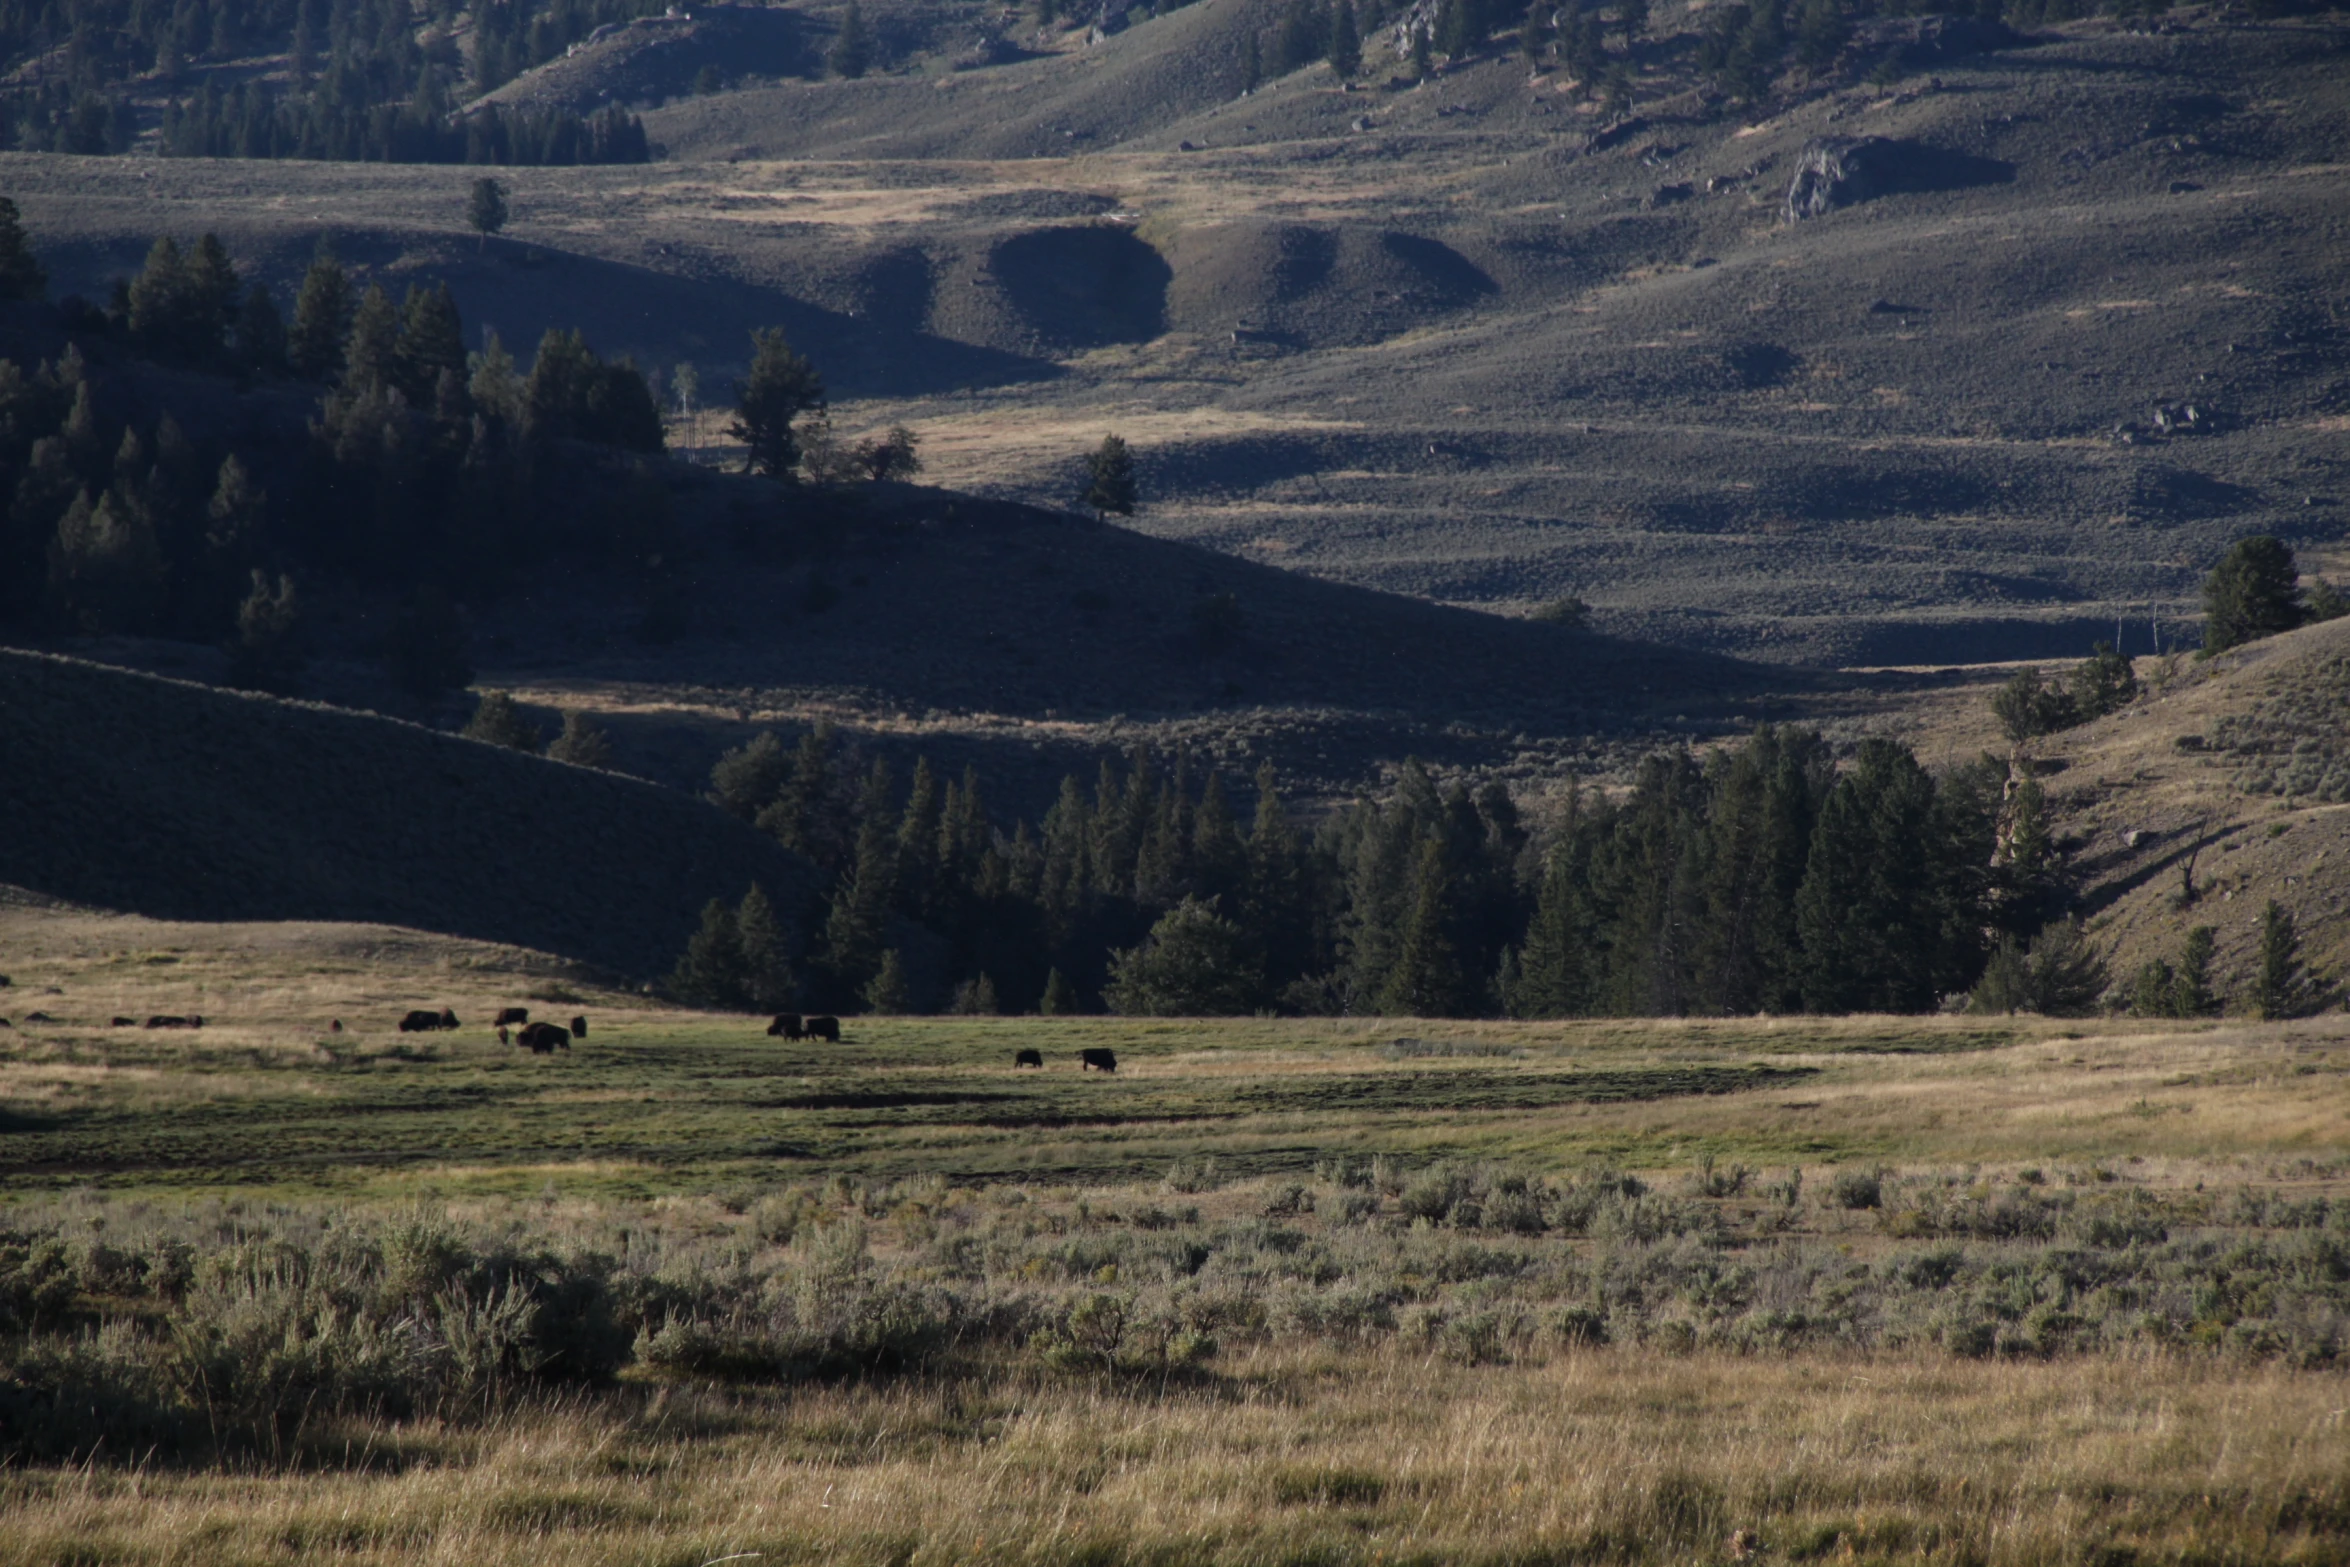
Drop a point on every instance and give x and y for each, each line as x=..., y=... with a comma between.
x=180, y=801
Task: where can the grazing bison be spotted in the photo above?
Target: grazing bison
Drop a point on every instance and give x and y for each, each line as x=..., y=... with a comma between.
x=505, y=1038
x=579, y=1028
x=1097, y=1059
x=545, y=1038
x=511, y=1015
x=1027, y=1058
x=38, y=1017
x=160, y=1021
x=787, y=1025
x=448, y=1019
x=124, y=1022
x=824, y=1028
x=420, y=1022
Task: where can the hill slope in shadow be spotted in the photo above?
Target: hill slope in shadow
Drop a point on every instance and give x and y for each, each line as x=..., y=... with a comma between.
x=183, y=802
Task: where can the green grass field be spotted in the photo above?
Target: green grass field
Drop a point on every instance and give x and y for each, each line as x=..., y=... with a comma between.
x=1278, y=1291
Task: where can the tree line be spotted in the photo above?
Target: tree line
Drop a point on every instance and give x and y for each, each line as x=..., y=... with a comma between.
x=426, y=469
x=369, y=80
x=1762, y=877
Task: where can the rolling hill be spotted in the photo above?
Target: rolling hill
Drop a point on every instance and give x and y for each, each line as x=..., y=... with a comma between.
x=181, y=802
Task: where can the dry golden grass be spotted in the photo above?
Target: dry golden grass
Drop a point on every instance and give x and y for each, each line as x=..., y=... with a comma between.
x=1306, y=1457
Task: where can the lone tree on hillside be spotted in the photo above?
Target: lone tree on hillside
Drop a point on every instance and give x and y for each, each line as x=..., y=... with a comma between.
x=782, y=386
x=486, y=210
x=852, y=49
x=2255, y=592
x=1109, y=486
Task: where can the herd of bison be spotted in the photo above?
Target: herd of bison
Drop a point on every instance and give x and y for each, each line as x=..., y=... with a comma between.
x=515, y=1028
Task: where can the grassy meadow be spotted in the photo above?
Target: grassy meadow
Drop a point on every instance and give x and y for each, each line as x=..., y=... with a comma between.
x=1330, y=1291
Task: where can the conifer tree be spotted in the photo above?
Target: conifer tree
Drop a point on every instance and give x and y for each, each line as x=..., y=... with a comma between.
x=371, y=355
x=21, y=276
x=746, y=777
x=322, y=319
x=852, y=48
x=853, y=932
x=1868, y=910
x=1060, y=997
x=885, y=994
x=779, y=389
x=768, y=981
x=2192, y=992
x=712, y=973
x=2281, y=987
x=212, y=298
x=1109, y=486
x=263, y=655
x=1427, y=980
x=1553, y=977
x=583, y=742
x=485, y=209
x=2254, y=592
x=432, y=343
x=162, y=308
x=1346, y=43
x=1195, y=963
x=919, y=888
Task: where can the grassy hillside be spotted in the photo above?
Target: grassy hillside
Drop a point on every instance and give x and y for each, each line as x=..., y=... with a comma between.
x=137, y=793
x=1485, y=349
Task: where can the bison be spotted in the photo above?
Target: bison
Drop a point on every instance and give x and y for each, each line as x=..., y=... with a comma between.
x=579, y=1028
x=448, y=1019
x=787, y=1025
x=508, y=1015
x=1027, y=1058
x=505, y=1038
x=1096, y=1058
x=545, y=1038
x=335, y=1027
x=420, y=1022
x=161, y=1021
x=124, y=1022
x=824, y=1028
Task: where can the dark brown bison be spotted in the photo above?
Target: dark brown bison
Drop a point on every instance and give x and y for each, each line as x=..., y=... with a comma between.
x=335, y=1027
x=1027, y=1058
x=508, y=1015
x=448, y=1018
x=545, y=1038
x=161, y=1021
x=787, y=1025
x=824, y=1028
x=124, y=1022
x=4, y=1022
x=579, y=1028
x=1096, y=1059
x=38, y=1017
x=420, y=1022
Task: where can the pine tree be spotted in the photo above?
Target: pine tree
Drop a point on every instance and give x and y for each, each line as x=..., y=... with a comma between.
x=919, y=887
x=499, y=720
x=1060, y=997
x=1427, y=980
x=2281, y=989
x=322, y=319
x=2255, y=592
x=1554, y=969
x=106, y=570
x=371, y=354
x=2193, y=995
x=712, y=973
x=493, y=383
x=583, y=742
x=263, y=655
x=485, y=209
x=1869, y=909
x=780, y=388
x=1346, y=43
x=21, y=276
x=234, y=518
x=768, y=980
x=432, y=344
x=977, y=998
x=1109, y=484
x=747, y=777
x=853, y=931
x=162, y=309
x=885, y=994
x=852, y=47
